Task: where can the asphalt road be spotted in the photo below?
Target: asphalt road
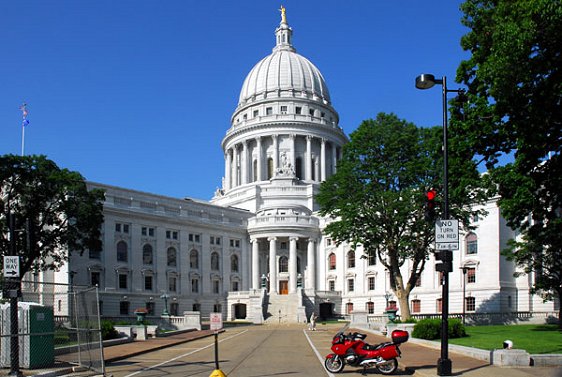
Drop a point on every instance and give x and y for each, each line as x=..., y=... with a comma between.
x=289, y=350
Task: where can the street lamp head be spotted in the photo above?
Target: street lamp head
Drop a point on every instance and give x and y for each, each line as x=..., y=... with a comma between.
x=426, y=81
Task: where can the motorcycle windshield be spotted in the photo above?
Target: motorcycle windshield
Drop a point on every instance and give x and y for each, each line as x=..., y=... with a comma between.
x=343, y=329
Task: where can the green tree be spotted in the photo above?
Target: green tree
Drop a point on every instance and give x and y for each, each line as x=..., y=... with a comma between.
x=377, y=196
x=514, y=80
x=55, y=212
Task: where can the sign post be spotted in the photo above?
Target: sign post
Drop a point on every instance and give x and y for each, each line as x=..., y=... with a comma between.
x=216, y=325
x=12, y=271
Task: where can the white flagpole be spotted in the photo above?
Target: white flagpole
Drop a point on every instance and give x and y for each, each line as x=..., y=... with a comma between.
x=24, y=122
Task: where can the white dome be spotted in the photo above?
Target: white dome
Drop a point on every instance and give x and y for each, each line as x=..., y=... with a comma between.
x=284, y=73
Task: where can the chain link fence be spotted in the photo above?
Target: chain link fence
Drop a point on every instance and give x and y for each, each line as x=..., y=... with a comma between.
x=58, y=327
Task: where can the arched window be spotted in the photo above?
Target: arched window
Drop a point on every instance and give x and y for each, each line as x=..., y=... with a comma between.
x=332, y=261
x=147, y=254
x=234, y=263
x=194, y=259
x=351, y=259
x=370, y=307
x=471, y=243
x=122, y=251
x=298, y=168
x=172, y=257
x=349, y=308
x=283, y=264
x=416, y=306
x=214, y=262
x=269, y=168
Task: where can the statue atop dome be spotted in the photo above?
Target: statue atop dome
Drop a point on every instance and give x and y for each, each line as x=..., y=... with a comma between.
x=283, y=15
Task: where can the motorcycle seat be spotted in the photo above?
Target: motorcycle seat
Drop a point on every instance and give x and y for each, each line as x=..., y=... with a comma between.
x=369, y=347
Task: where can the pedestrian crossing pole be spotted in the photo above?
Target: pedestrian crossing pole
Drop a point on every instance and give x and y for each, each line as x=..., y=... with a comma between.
x=216, y=325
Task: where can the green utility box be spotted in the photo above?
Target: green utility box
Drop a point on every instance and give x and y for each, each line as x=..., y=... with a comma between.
x=36, y=335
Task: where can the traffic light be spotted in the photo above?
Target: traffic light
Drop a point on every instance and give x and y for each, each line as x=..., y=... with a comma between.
x=446, y=256
x=430, y=196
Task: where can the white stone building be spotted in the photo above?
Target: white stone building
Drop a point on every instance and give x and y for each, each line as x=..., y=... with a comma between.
x=257, y=250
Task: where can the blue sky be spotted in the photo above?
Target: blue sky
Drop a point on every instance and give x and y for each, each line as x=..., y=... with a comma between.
x=139, y=94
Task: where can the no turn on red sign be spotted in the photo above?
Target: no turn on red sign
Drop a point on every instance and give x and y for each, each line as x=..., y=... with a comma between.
x=216, y=321
x=447, y=235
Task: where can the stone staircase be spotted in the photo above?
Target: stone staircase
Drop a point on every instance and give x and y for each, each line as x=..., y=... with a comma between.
x=285, y=309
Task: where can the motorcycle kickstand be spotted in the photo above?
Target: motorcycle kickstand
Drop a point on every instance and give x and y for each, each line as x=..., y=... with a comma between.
x=364, y=373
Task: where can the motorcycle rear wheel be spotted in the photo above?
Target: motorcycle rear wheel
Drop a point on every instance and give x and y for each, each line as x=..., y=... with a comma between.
x=388, y=367
x=334, y=364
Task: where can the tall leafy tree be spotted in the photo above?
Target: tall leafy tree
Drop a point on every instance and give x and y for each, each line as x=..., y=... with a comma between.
x=54, y=211
x=377, y=196
x=514, y=80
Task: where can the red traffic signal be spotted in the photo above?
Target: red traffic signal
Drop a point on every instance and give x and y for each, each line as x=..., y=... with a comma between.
x=430, y=196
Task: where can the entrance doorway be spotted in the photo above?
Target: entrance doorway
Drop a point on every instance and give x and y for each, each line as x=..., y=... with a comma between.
x=239, y=311
x=326, y=310
x=283, y=287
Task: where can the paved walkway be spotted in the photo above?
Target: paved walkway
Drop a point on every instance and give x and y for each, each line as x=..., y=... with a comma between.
x=416, y=360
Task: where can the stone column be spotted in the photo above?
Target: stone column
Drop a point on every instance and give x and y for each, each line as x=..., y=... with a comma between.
x=259, y=153
x=334, y=159
x=293, y=156
x=323, y=160
x=275, y=153
x=272, y=264
x=255, y=264
x=227, y=169
x=308, y=160
x=311, y=265
x=244, y=162
x=235, y=176
x=293, y=264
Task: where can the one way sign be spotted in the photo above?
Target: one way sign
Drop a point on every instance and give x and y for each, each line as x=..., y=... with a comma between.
x=12, y=266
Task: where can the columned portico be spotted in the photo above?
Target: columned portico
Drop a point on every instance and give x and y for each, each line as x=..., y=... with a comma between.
x=311, y=264
x=255, y=264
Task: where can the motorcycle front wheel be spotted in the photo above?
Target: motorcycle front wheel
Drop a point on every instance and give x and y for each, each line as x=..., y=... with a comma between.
x=334, y=364
x=388, y=367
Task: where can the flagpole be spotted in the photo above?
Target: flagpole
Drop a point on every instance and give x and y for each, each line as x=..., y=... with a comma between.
x=24, y=122
x=22, y=139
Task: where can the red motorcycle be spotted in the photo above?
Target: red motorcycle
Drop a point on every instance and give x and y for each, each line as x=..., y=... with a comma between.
x=352, y=350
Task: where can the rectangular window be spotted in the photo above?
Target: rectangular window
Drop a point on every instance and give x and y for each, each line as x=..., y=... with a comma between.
x=283, y=109
x=216, y=286
x=269, y=111
x=372, y=259
x=311, y=112
x=121, y=228
x=245, y=116
x=194, y=285
x=124, y=308
x=256, y=113
x=123, y=281
x=471, y=275
x=235, y=286
x=418, y=281
x=174, y=308
x=196, y=307
x=322, y=115
x=472, y=247
x=332, y=285
x=470, y=304
x=350, y=285
x=234, y=243
x=371, y=307
x=172, y=283
x=117, y=227
x=150, y=307
x=168, y=234
x=416, y=306
x=392, y=304
x=125, y=228
x=192, y=237
x=439, y=305
x=298, y=110
x=147, y=231
x=148, y=282
x=95, y=278
x=371, y=283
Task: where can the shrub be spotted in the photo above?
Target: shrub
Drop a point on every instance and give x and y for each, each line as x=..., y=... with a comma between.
x=456, y=329
x=427, y=329
x=431, y=329
x=108, y=331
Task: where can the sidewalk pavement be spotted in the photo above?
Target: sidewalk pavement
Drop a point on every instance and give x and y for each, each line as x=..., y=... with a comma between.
x=417, y=360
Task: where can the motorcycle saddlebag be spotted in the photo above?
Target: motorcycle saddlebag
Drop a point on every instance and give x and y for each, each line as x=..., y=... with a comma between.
x=389, y=352
x=399, y=336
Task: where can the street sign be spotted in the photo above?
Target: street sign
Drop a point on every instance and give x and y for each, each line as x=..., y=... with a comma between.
x=12, y=266
x=216, y=321
x=447, y=235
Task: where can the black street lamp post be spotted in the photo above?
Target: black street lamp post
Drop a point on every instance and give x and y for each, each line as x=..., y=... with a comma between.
x=444, y=364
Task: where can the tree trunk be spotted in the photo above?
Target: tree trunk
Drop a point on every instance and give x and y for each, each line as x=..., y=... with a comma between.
x=404, y=305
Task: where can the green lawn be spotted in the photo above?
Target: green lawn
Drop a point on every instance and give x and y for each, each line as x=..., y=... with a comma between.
x=535, y=339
